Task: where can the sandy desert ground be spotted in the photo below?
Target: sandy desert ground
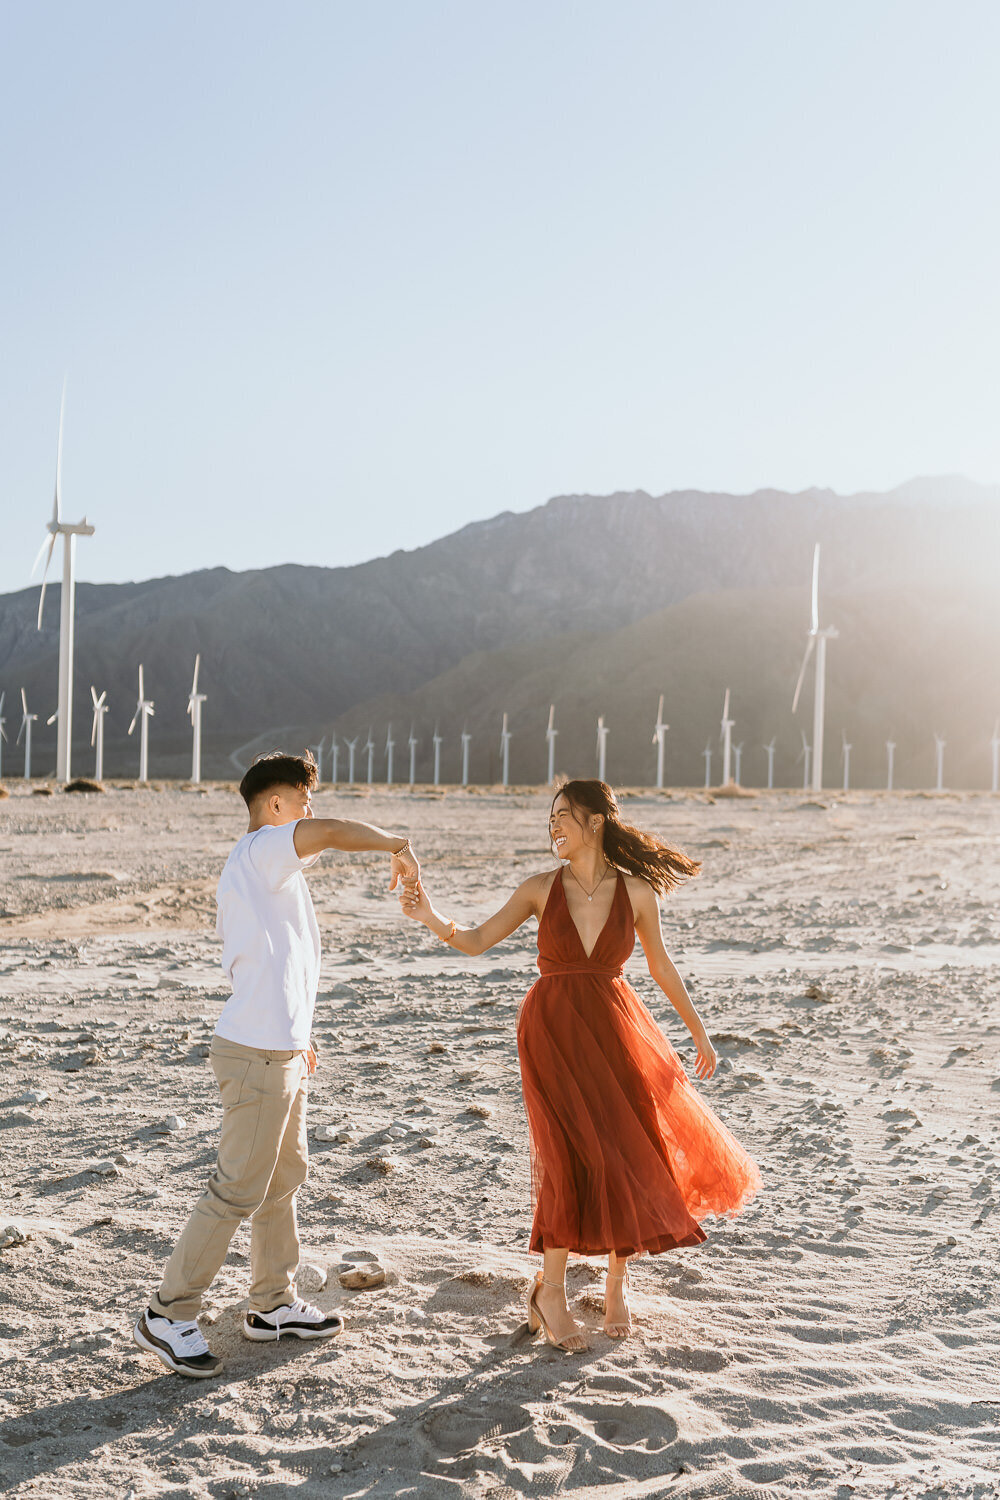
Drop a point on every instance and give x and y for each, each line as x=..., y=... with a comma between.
x=838, y=1340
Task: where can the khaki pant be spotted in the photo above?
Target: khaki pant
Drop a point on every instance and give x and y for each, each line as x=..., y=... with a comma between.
x=263, y=1161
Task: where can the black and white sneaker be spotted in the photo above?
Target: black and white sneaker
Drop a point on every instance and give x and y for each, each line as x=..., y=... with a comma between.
x=180, y=1345
x=298, y=1318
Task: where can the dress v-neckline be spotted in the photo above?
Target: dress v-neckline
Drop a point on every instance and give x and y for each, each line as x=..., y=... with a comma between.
x=607, y=919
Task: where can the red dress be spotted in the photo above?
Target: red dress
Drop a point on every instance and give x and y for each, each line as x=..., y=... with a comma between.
x=625, y=1155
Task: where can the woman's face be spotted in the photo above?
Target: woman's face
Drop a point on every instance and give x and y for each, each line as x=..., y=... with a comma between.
x=569, y=830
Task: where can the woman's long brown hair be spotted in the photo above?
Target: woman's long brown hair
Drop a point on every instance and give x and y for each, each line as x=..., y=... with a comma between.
x=625, y=847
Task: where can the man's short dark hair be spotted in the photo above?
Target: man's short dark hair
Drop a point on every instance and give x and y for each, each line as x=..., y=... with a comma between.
x=278, y=769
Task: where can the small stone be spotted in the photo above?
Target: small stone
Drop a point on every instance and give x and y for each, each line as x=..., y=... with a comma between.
x=481, y=1111
x=437, y=1048
x=104, y=1168
x=362, y=1278
x=310, y=1278
x=345, y=1137
x=333, y=1133
x=32, y=1096
x=951, y=1239
x=14, y=1234
x=170, y=1126
x=18, y=1118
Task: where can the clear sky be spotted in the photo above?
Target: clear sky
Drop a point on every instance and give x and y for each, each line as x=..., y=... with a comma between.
x=329, y=279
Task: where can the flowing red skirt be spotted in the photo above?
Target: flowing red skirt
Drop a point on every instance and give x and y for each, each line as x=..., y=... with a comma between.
x=625, y=1154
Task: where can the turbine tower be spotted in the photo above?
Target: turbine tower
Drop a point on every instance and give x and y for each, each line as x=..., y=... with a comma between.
x=659, y=740
x=466, y=742
x=817, y=640
x=413, y=742
x=550, y=737
x=707, y=753
x=390, y=746
x=890, y=750
x=845, y=753
x=97, y=731
x=67, y=606
x=602, y=749
x=770, y=765
x=3, y=732
x=939, y=745
x=436, y=741
x=505, y=739
x=738, y=758
x=143, y=712
x=335, y=757
x=994, y=747
x=195, y=700
x=806, y=756
x=351, y=744
x=26, y=722
x=726, y=736
x=370, y=752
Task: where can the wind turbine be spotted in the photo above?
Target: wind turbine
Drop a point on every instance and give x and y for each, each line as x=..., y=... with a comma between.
x=3, y=732
x=890, y=750
x=817, y=640
x=97, y=731
x=505, y=738
x=994, y=747
x=436, y=740
x=770, y=765
x=335, y=756
x=413, y=742
x=602, y=749
x=939, y=745
x=67, y=606
x=726, y=736
x=143, y=712
x=466, y=742
x=807, y=757
x=707, y=753
x=738, y=758
x=317, y=754
x=846, y=757
x=26, y=722
x=390, y=745
x=195, y=700
x=370, y=751
x=659, y=740
x=550, y=739
x=350, y=759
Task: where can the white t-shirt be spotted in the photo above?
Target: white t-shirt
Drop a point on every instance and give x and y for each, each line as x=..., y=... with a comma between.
x=270, y=942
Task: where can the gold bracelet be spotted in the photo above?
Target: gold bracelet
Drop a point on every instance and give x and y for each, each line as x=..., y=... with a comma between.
x=403, y=849
x=449, y=935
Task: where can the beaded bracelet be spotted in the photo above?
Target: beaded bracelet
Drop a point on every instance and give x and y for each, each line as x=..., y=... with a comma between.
x=449, y=935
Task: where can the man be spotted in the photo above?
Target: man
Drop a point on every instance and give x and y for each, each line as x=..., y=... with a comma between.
x=262, y=1057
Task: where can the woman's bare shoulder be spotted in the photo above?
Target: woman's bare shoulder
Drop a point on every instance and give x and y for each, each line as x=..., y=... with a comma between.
x=640, y=892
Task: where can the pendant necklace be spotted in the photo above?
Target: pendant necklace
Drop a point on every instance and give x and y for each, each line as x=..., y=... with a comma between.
x=597, y=887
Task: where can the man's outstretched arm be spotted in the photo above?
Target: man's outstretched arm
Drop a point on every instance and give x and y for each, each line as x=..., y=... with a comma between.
x=313, y=835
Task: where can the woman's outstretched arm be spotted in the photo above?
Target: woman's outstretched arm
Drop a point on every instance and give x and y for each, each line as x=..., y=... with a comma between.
x=650, y=935
x=473, y=940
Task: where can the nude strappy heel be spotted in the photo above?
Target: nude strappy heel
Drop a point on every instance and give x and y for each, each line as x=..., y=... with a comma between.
x=536, y=1320
x=618, y=1330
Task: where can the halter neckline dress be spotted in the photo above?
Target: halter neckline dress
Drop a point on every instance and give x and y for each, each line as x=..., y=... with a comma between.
x=625, y=1154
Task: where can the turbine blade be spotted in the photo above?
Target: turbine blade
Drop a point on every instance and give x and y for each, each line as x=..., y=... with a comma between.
x=133, y=723
x=24, y=703
x=815, y=589
x=197, y=664
x=53, y=717
x=725, y=706
x=45, y=574
x=48, y=540
x=141, y=693
x=93, y=731
x=2, y=697
x=810, y=645
x=56, y=505
x=93, y=694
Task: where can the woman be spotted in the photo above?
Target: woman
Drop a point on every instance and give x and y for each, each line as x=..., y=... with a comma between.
x=625, y=1155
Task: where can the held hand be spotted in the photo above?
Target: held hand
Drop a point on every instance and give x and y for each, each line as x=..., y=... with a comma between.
x=310, y=1059
x=705, y=1064
x=415, y=902
x=404, y=867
